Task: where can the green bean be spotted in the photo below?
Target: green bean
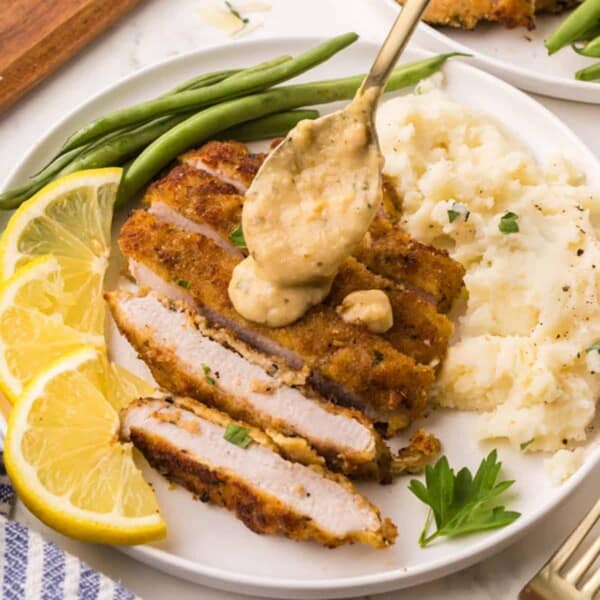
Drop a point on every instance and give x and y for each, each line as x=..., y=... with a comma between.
x=15, y=196
x=266, y=128
x=123, y=146
x=114, y=148
x=592, y=48
x=195, y=99
x=584, y=17
x=590, y=34
x=268, y=64
x=218, y=76
x=97, y=160
x=202, y=80
x=591, y=73
x=211, y=121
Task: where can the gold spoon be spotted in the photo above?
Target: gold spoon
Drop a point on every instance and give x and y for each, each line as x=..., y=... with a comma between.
x=314, y=197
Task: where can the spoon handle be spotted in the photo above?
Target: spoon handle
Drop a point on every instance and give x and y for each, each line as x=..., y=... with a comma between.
x=394, y=44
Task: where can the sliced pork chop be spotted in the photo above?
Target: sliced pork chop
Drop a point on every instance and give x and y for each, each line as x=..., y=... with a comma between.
x=186, y=192
x=189, y=358
x=346, y=363
x=186, y=443
x=386, y=249
x=418, y=329
x=392, y=253
x=230, y=161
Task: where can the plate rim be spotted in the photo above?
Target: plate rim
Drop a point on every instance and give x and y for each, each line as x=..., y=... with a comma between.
x=571, y=86
x=489, y=544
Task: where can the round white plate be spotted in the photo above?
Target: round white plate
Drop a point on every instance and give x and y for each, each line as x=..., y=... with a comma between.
x=516, y=55
x=207, y=544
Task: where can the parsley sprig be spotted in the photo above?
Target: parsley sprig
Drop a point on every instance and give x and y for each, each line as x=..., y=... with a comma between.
x=460, y=503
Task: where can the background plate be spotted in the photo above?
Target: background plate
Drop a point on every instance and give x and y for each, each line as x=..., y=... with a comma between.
x=206, y=544
x=516, y=55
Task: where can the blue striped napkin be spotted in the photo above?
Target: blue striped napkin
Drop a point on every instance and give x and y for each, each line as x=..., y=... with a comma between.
x=32, y=568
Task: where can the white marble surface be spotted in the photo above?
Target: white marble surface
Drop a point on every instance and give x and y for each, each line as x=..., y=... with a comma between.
x=160, y=29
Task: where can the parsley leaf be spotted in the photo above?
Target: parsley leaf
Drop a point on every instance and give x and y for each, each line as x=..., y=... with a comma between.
x=453, y=215
x=237, y=435
x=525, y=445
x=236, y=13
x=508, y=223
x=458, y=210
x=377, y=358
x=462, y=504
x=595, y=346
x=207, y=374
x=237, y=237
x=184, y=284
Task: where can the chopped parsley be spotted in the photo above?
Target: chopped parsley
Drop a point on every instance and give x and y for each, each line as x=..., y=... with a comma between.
x=460, y=503
x=453, y=215
x=184, y=284
x=508, y=223
x=207, y=374
x=236, y=13
x=458, y=210
x=377, y=358
x=237, y=237
x=525, y=445
x=237, y=435
x=593, y=347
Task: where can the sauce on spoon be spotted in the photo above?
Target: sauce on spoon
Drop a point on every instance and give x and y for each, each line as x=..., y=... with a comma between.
x=305, y=213
x=314, y=198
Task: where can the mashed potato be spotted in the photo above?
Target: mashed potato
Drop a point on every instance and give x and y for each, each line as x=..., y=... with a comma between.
x=519, y=354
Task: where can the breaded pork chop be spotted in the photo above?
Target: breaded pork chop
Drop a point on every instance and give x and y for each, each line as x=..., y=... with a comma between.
x=418, y=329
x=189, y=358
x=186, y=442
x=392, y=253
x=230, y=161
x=386, y=249
x=340, y=357
x=466, y=14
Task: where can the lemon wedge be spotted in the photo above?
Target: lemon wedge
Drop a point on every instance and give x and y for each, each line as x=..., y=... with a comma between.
x=70, y=217
x=46, y=311
x=65, y=459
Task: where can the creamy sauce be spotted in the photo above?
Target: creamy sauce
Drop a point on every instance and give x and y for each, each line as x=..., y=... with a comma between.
x=370, y=308
x=261, y=301
x=305, y=213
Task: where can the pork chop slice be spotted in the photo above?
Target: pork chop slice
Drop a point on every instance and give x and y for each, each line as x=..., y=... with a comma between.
x=192, y=445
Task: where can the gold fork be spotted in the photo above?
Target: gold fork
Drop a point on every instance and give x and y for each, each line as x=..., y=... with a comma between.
x=550, y=584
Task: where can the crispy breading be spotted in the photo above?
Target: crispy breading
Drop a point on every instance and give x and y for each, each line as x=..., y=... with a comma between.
x=418, y=329
x=466, y=14
x=341, y=357
x=397, y=256
x=554, y=6
x=231, y=161
x=422, y=449
x=170, y=355
x=192, y=192
x=165, y=447
x=391, y=252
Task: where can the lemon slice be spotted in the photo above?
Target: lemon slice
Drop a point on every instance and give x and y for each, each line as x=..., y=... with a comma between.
x=69, y=218
x=46, y=310
x=64, y=457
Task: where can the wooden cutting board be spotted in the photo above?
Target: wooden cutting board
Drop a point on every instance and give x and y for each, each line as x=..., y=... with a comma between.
x=37, y=36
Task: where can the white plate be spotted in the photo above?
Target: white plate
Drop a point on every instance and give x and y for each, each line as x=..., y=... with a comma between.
x=516, y=55
x=207, y=544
